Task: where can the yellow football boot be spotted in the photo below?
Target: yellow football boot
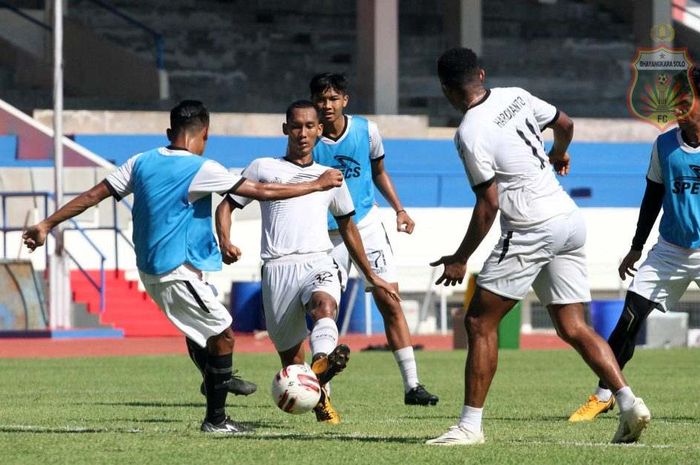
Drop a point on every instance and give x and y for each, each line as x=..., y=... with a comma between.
x=592, y=408
x=327, y=366
x=324, y=410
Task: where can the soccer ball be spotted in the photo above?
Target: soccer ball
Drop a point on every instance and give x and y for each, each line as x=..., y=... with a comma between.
x=295, y=389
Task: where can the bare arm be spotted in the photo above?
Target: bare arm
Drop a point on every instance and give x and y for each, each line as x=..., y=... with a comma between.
x=275, y=191
x=229, y=252
x=353, y=241
x=382, y=180
x=35, y=236
x=563, y=128
x=482, y=219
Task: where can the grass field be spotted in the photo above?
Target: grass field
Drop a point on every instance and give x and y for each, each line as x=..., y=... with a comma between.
x=147, y=410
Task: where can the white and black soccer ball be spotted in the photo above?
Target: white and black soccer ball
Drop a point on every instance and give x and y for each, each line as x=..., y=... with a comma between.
x=295, y=389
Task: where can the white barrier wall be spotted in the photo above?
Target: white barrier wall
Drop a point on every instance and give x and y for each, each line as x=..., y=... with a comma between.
x=438, y=232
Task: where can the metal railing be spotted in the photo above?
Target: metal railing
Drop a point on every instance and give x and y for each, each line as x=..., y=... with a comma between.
x=24, y=15
x=98, y=286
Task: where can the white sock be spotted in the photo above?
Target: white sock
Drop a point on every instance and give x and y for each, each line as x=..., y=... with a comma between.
x=603, y=394
x=625, y=398
x=471, y=418
x=324, y=336
x=407, y=364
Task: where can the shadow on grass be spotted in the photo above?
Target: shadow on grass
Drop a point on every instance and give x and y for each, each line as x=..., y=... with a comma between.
x=137, y=403
x=65, y=430
x=147, y=420
x=531, y=418
x=349, y=437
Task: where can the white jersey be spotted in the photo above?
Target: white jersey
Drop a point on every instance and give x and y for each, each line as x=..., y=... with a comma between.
x=297, y=225
x=500, y=139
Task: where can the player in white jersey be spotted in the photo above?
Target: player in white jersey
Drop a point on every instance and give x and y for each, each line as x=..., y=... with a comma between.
x=673, y=181
x=174, y=241
x=500, y=143
x=353, y=145
x=299, y=276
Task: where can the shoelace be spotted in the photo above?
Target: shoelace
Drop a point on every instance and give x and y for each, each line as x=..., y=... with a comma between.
x=589, y=405
x=323, y=409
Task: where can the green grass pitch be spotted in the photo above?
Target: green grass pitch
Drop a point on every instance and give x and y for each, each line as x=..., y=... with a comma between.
x=147, y=410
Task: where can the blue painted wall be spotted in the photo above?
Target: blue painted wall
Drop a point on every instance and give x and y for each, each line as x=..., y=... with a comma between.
x=427, y=173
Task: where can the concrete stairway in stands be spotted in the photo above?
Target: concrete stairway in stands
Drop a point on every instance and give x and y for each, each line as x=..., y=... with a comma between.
x=126, y=307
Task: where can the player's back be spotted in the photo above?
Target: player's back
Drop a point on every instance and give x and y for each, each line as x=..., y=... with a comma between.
x=500, y=137
x=164, y=219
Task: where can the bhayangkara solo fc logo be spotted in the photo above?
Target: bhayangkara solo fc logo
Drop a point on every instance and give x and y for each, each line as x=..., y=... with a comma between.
x=661, y=91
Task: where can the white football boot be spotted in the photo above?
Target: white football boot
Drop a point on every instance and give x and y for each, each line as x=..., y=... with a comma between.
x=458, y=436
x=632, y=422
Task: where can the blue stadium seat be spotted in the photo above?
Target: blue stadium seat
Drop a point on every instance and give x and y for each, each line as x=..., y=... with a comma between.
x=8, y=149
x=428, y=173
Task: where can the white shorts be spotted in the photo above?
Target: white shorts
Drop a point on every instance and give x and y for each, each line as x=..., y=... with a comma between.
x=377, y=247
x=550, y=258
x=192, y=306
x=287, y=285
x=666, y=274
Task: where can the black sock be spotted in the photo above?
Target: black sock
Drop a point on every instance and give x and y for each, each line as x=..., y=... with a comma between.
x=216, y=377
x=198, y=355
x=623, y=339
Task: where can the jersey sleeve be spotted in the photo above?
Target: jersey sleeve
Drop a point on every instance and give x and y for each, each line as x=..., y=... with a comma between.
x=475, y=157
x=341, y=205
x=654, y=173
x=119, y=180
x=376, y=146
x=213, y=177
x=545, y=113
x=251, y=172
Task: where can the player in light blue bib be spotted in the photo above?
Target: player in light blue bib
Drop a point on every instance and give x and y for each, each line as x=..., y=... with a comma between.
x=353, y=145
x=673, y=182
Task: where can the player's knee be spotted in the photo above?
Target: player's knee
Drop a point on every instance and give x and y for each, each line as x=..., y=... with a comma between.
x=323, y=308
x=636, y=308
x=390, y=309
x=222, y=343
x=475, y=325
x=572, y=332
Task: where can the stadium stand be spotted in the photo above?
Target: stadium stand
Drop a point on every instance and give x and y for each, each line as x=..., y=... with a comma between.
x=271, y=35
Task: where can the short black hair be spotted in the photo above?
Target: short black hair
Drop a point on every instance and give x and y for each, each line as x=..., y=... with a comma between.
x=324, y=81
x=188, y=114
x=695, y=78
x=300, y=104
x=457, y=67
